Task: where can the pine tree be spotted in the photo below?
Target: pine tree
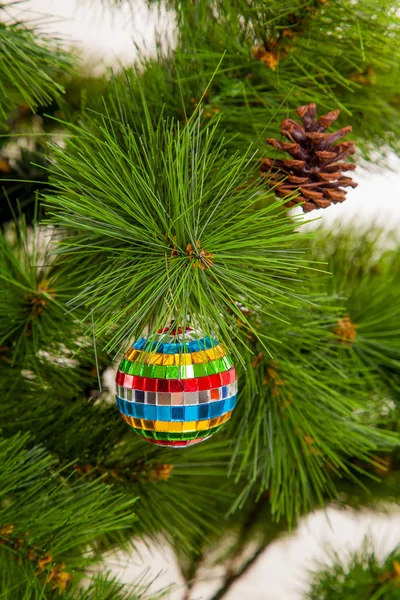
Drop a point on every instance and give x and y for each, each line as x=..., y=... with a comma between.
x=151, y=198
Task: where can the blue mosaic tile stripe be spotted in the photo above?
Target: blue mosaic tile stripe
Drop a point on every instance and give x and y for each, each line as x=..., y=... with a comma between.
x=172, y=348
x=193, y=412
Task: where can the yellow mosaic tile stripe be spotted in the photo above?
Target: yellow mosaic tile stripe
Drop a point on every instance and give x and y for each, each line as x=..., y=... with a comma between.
x=176, y=426
x=207, y=355
x=175, y=360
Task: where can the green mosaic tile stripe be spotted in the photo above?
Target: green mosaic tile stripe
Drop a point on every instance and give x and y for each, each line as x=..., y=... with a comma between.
x=184, y=372
x=173, y=436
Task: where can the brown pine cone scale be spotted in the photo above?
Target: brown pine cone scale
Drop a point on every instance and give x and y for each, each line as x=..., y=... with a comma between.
x=318, y=162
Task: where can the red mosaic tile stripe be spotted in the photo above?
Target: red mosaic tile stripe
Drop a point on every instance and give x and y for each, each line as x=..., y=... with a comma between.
x=175, y=385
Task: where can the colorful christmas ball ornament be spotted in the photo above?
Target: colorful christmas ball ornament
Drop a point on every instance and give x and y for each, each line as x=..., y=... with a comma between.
x=177, y=388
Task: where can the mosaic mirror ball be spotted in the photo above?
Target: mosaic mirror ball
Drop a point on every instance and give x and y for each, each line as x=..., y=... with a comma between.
x=177, y=388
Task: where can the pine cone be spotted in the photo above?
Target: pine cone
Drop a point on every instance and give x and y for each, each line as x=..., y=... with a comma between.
x=317, y=167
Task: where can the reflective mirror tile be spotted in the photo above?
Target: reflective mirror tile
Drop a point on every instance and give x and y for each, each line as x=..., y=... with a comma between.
x=215, y=394
x=204, y=396
x=164, y=399
x=151, y=397
x=139, y=396
x=191, y=397
x=177, y=398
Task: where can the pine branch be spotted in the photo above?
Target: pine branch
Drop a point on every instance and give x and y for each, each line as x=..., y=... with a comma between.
x=229, y=551
x=126, y=473
x=35, y=328
x=297, y=408
x=344, y=56
x=304, y=433
x=362, y=576
x=48, y=525
x=233, y=577
x=170, y=230
x=366, y=279
x=29, y=66
x=92, y=443
x=104, y=587
x=22, y=582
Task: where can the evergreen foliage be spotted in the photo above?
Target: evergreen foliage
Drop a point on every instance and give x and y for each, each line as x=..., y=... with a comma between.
x=173, y=226
x=133, y=199
x=362, y=577
x=49, y=522
x=279, y=55
x=29, y=65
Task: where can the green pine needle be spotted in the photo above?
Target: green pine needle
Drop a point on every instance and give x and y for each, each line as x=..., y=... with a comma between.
x=45, y=512
x=30, y=65
x=361, y=575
